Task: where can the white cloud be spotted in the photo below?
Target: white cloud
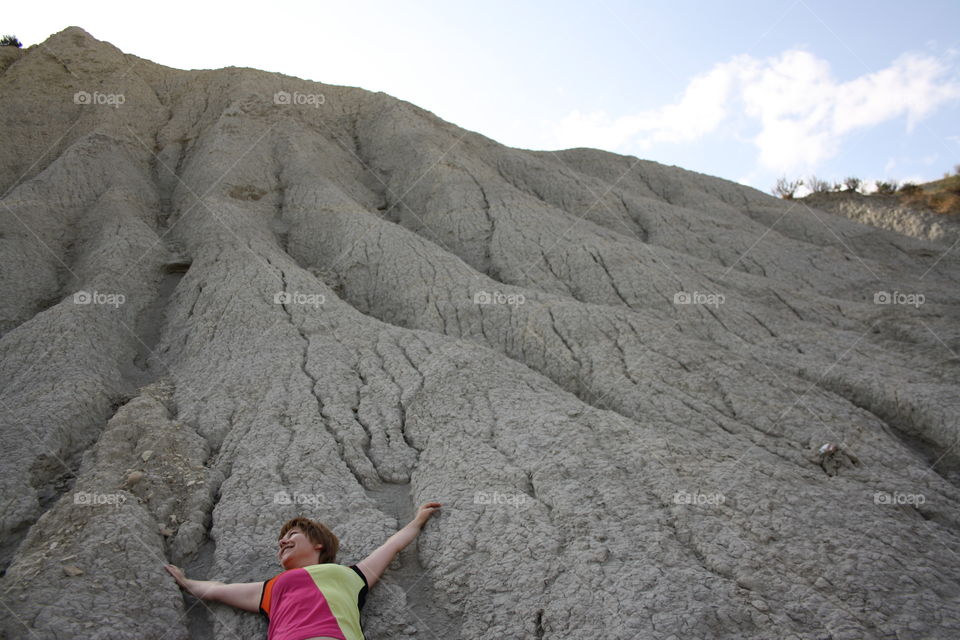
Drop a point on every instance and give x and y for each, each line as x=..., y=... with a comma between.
x=912, y=85
x=701, y=109
x=748, y=179
x=802, y=112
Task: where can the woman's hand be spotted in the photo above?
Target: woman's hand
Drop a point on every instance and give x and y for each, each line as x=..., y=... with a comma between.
x=176, y=572
x=424, y=512
x=377, y=562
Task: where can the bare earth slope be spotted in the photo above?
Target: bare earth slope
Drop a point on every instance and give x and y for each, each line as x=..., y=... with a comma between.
x=889, y=212
x=228, y=297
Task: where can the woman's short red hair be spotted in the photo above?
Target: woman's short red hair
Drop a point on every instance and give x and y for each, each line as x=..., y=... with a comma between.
x=318, y=534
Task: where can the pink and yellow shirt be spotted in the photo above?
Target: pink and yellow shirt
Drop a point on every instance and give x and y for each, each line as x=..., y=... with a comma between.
x=319, y=600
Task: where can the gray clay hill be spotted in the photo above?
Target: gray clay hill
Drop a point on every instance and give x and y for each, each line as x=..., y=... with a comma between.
x=654, y=404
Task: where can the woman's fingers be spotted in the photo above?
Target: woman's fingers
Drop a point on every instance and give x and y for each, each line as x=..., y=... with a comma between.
x=174, y=571
x=428, y=509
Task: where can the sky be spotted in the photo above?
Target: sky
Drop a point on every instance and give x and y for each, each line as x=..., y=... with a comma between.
x=746, y=90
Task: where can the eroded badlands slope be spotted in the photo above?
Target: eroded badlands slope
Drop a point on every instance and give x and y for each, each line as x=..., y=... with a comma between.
x=353, y=303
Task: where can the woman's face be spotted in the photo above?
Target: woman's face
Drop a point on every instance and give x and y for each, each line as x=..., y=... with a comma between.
x=295, y=550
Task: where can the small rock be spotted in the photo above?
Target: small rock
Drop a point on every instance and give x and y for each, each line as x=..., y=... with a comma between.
x=747, y=582
x=72, y=570
x=146, y=455
x=599, y=556
x=410, y=630
x=827, y=449
x=760, y=605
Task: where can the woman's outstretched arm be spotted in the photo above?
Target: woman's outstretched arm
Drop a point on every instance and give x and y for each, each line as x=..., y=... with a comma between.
x=377, y=562
x=243, y=595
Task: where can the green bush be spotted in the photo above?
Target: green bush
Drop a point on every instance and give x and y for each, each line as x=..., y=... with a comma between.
x=886, y=188
x=816, y=185
x=909, y=189
x=852, y=183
